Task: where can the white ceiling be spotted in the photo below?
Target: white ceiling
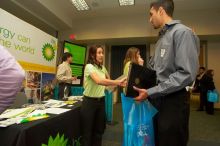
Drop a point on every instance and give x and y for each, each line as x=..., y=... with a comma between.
x=111, y=7
x=56, y=15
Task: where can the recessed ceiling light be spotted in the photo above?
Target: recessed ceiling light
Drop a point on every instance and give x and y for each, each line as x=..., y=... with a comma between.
x=80, y=5
x=126, y=2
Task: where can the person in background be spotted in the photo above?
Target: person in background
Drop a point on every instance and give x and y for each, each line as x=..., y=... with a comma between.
x=207, y=83
x=92, y=112
x=64, y=75
x=11, y=78
x=176, y=64
x=132, y=56
x=201, y=72
x=197, y=88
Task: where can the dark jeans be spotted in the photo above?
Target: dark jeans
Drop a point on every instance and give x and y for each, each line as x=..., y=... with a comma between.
x=172, y=120
x=93, y=121
x=61, y=89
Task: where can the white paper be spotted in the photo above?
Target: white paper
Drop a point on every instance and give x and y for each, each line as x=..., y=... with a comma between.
x=14, y=112
x=37, y=112
x=56, y=111
x=9, y=122
x=77, y=81
x=75, y=98
x=54, y=103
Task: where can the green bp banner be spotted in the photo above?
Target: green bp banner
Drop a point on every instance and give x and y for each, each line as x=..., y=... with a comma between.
x=33, y=48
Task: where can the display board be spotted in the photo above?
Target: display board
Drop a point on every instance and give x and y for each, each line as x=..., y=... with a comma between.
x=35, y=50
x=79, y=54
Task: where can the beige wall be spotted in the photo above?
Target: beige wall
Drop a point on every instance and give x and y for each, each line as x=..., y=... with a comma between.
x=213, y=63
x=204, y=22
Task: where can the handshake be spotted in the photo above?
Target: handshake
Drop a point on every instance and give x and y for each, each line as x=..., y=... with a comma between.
x=122, y=82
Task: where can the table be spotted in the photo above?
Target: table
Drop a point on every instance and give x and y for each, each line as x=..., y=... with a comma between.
x=37, y=132
x=78, y=91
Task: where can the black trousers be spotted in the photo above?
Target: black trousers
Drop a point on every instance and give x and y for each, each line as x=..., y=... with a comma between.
x=172, y=120
x=61, y=89
x=209, y=106
x=203, y=100
x=93, y=121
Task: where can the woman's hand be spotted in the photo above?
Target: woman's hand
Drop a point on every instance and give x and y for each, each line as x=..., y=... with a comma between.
x=74, y=78
x=122, y=82
x=140, y=61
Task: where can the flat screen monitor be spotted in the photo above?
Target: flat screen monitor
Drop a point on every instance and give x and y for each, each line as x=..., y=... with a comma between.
x=78, y=52
x=79, y=55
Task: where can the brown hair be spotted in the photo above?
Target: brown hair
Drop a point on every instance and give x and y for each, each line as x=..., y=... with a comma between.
x=92, y=55
x=209, y=72
x=66, y=55
x=131, y=55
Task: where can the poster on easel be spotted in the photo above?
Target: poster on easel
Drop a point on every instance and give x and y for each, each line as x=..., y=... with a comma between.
x=47, y=88
x=35, y=51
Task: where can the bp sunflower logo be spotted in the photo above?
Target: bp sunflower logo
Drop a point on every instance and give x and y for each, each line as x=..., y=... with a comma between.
x=48, y=52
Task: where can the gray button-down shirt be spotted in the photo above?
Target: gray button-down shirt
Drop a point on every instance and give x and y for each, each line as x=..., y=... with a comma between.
x=175, y=59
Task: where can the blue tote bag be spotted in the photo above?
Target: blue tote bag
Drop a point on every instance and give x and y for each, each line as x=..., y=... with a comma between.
x=138, y=122
x=212, y=96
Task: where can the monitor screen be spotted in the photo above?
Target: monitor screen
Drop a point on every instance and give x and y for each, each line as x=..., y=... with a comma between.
x=77, y=70
x=78, y=52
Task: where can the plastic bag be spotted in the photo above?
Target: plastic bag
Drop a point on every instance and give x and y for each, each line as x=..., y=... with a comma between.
x=138, y=122
x=213, y=96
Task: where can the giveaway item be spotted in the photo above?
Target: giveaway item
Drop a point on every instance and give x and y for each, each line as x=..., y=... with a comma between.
x=213, y=96
x=138, y=122
x=140, y=77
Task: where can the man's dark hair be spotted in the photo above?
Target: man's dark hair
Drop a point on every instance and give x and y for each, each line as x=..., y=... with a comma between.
x=66, y=55
x=167, y=5
x=203, y=68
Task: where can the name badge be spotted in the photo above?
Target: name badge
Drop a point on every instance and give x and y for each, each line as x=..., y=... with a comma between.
x=162, y=52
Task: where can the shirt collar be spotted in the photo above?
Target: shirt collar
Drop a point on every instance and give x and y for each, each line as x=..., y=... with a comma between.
x=65, y=63
x=167, y=26
x=173, y=22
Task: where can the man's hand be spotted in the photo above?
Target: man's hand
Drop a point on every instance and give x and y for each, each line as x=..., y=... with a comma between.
x=74, y=78
x=142, y=94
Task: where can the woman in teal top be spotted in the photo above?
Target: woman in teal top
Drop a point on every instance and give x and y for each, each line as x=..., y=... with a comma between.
x=92, y=113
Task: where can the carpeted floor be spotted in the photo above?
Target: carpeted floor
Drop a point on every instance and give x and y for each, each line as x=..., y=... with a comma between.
x=204, y=129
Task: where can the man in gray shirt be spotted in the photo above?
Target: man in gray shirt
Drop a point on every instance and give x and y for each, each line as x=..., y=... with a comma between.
x=176, y=64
